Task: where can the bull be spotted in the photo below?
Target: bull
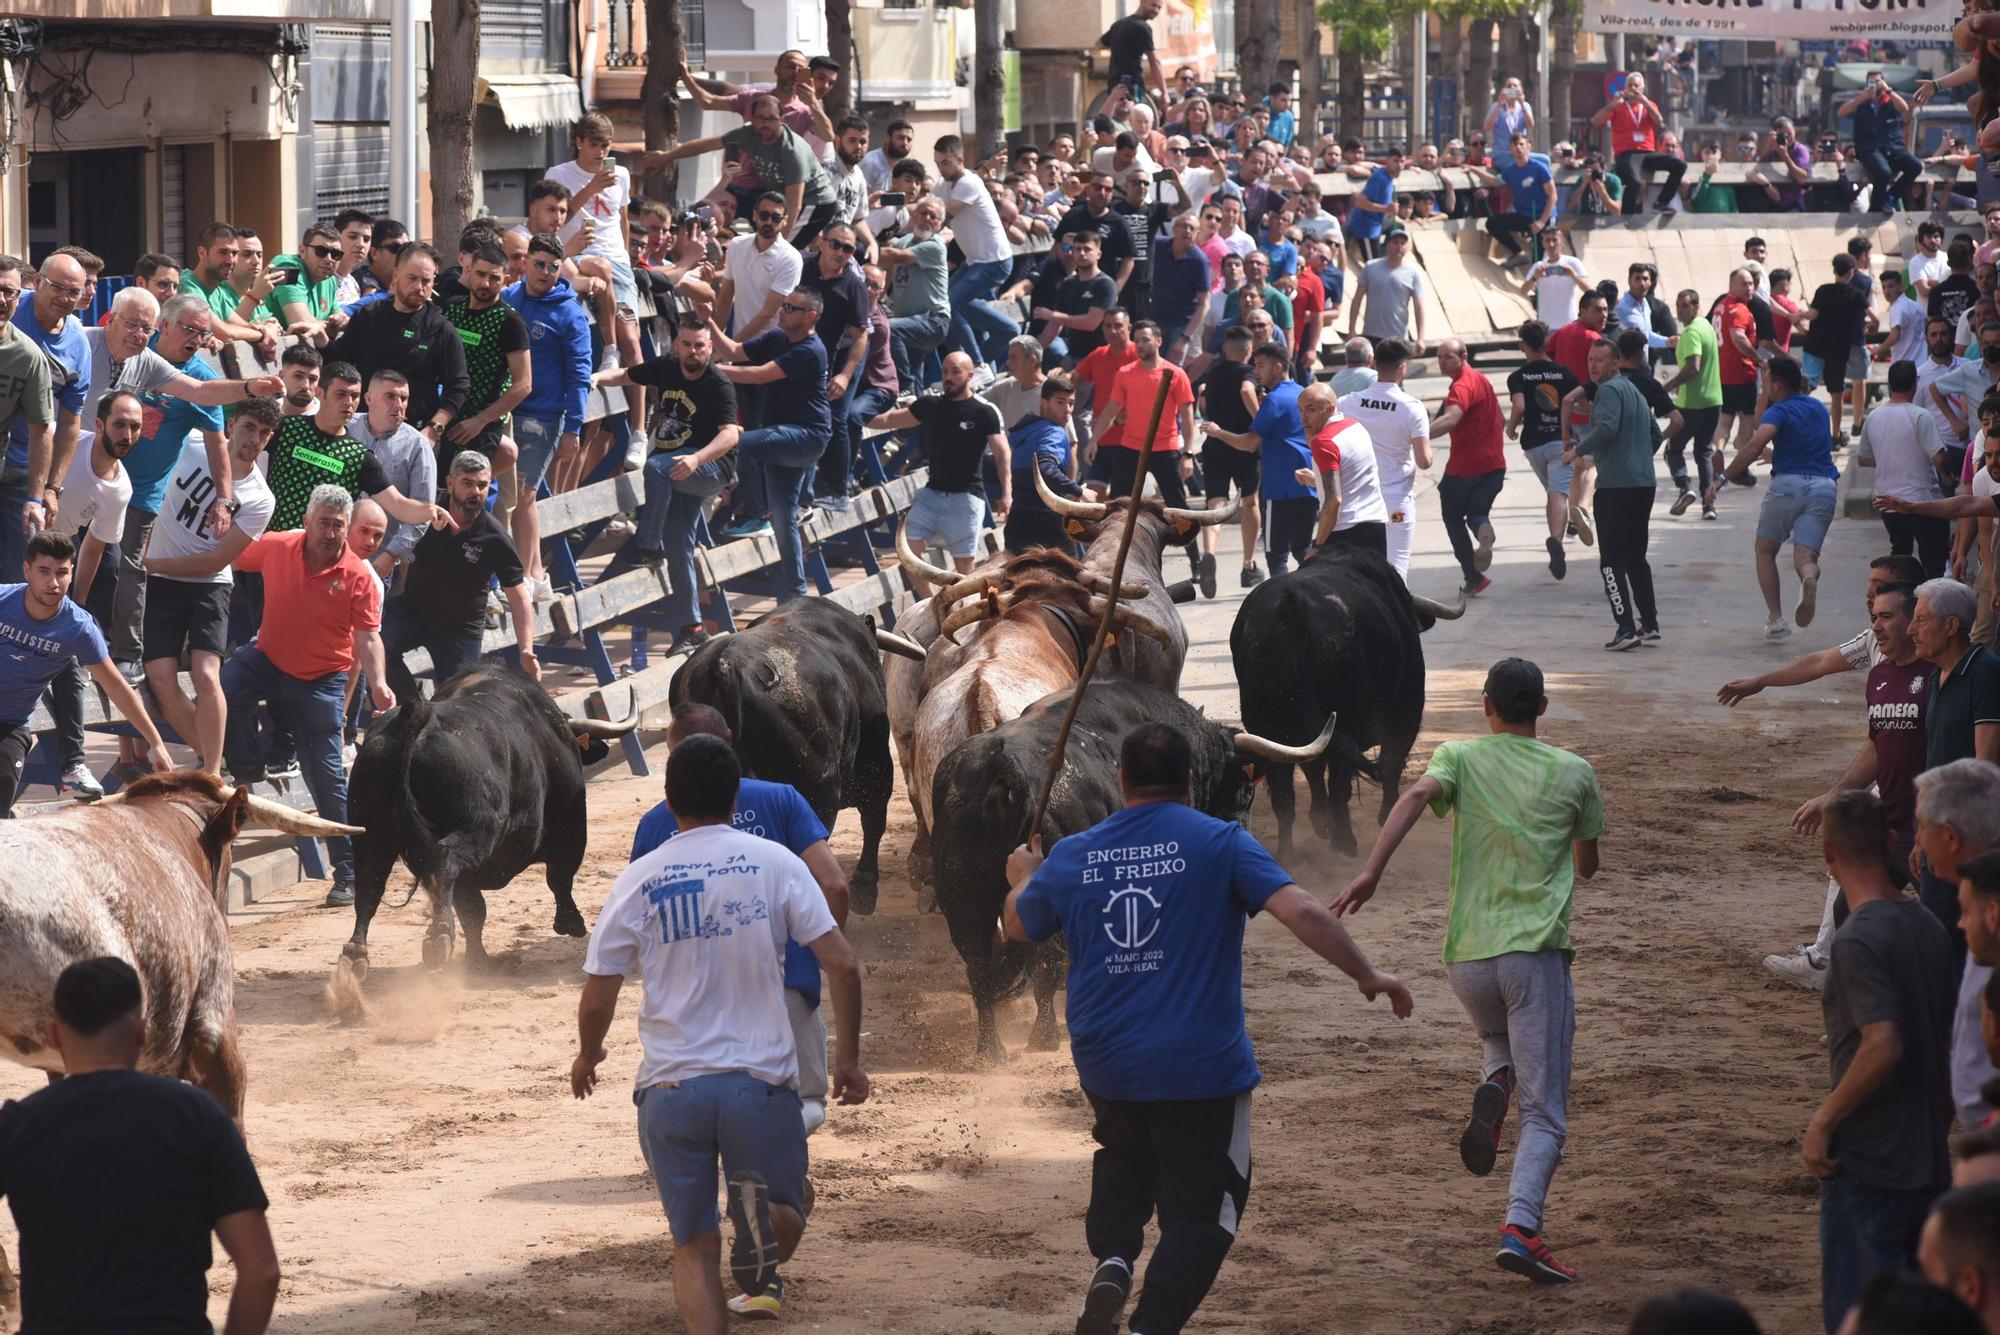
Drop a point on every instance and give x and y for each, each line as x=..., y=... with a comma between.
x=802, y=690
x=140, y=875
x=984, y=798
x=1340, y=635
x=470, y=788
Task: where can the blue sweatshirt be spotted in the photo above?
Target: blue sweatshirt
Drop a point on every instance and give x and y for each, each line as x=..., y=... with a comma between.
x=558, y=353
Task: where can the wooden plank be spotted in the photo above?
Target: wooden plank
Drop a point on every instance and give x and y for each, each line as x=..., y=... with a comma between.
x=871, y=593
x=586, y=505
x=1413, y=180
x=1453, y=295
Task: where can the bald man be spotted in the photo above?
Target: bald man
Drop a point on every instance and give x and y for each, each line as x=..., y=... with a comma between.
x=959, y=428
x=1352, y=511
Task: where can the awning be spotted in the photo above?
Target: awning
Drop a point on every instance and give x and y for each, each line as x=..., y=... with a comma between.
x=533, y=101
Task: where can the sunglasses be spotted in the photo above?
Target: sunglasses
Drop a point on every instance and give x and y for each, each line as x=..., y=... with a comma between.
x=326, y=252
x=846, y=247
x=768, y=217
x=793, y=306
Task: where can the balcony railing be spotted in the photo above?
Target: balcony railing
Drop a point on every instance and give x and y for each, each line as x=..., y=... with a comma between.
x=623, y=48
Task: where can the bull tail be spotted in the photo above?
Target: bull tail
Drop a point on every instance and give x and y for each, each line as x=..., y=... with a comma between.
x=1355, y=759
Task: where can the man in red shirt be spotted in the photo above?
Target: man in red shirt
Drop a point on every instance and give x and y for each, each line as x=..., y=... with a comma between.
x=1099, y=369
x=1132, y=396
x=1476, y=467
x=1570, y=347
x=1736, y=356
x=1635, y=125
x=1308, y=306
x=322, y=607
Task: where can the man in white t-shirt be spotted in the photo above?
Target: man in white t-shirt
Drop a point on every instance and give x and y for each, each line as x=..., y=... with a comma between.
x=1902, y=324
x=1928, y=266
x=979, y=328
x=601, y=191
x=1555, y=281
x=1902, y=441
x=188, y=578
x=759, y=271
x=1401, y=432
x=703, y=920
x=1345, y=473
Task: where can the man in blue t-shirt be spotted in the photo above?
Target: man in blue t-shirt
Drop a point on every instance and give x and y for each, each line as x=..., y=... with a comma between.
x=1040, y=444
x=1152, y=902
x=1531, y=189
x=47, y=316
x=1799, y=504
x=1375, y=205
x=773, y=811
x=1277, y=437
x=41, y=630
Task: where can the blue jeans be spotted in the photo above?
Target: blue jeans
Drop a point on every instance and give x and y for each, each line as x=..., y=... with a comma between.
x=1863, y=1231
x=536, y=438
x=685, y=1127
x=311, y=711
x=666, y=527
x=911, y=339
x=836, y=466
x=1882, y=163
x=786, y=455
x=866, y=404
x=978, y=327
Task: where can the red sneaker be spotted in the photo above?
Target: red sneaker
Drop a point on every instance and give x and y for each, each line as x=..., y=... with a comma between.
x=1524, y=1253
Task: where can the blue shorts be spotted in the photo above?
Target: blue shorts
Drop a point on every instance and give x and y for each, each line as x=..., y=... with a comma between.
x=1547, y=462
x=948, y=519
x=1817, y=372
x=624, y=287
x=747, y=1123
x=536, y=438
x=1797, y=507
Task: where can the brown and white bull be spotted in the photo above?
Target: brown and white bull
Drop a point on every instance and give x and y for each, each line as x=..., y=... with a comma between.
x=140, y=875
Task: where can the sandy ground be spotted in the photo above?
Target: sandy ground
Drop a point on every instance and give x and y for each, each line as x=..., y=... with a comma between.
x=428, y=1169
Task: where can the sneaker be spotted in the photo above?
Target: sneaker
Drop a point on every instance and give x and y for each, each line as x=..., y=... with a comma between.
x=1474, y=590
x=1744, y=479
x=1798, y=967
x=1520, y=261
x=341, y=896
x=79, y=779
x=245, y=778
x=1479, y=1143
x=1205, y=574
x=1623, y=640
x=1524, y=1253
x=744, y=528
x=1104, y=1301
x=837, y=505
x=620, y=529
x=766, y=1306
x=689, y=638
x=1681, y=503
x=1708, y=512
x=1777, y=629
x=542, y=589
x=1482, y=554
x=1558, y=562
x=289, y=772
x=1569, y=529
x=753, y=1253
x=131, y=669
x=1252, y=577
x=125, y=772
x=636, y=451
x=1649, y=635
x=1580, y=520
x=1808, y=601
x=347, y=754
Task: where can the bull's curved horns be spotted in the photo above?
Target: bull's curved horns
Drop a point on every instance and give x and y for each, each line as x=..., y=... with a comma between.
x=1206, y=517
x=1100, y=584
x=1065, y=507
x=597, y=727
x=915, y=564
x=890, y=642
x=962, y=618
x=1251, y=744
x=1437, y=609
x=293, y=821
x=1127, y=619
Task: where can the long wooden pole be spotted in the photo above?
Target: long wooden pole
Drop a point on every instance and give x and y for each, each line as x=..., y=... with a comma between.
x=1110, y=602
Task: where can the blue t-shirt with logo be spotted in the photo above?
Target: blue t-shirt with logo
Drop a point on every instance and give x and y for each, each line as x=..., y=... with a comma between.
x=773, y=811
x=1529, y=184
x=1152, y=903
x=69, y=374
x=1285, y=451
x=1381, y=188
x=168, y=421
x=1804, y=440
x=32, y=652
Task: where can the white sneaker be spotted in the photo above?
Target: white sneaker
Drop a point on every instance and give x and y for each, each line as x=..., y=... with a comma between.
x=85, y=784
x=1777, y=628
x=635, y=453
x=1799, y=968
x=542, y=589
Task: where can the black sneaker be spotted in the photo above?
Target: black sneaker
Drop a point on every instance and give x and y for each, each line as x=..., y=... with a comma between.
x=1479, y=1143
x=1110, y=1286
x=1708, y=512
x=1681, y=502
x=1205, y=573
x=1252, y=577
x=753, y=1253
x=341, y=896
x=689, y=638
x=1623, y=640
x=1558, y=562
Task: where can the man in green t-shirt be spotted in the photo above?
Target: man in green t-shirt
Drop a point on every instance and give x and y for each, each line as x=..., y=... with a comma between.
x=1697, y=390
x=306, y=453
x=304, y=298
x=1527, y=817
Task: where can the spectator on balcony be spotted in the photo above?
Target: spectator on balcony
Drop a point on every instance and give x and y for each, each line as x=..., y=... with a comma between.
x=799, y=98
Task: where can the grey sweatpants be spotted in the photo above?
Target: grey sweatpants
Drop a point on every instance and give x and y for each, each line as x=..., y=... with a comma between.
x=1525, y=1010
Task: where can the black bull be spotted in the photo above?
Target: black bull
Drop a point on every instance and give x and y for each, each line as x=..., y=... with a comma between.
x=470, y=789
x=1340, y=635
x=802, y=691
x=984, y=796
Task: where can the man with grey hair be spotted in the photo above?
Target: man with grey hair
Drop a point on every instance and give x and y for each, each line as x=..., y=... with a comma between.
x=322, y=612
x=1359, y=372
x=442, y=607
x=1018, y=394
x=1958, y=818
x=1961, y=717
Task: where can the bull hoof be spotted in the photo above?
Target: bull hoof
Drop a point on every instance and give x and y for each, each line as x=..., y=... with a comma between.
x=926, y=899
x=1044, y=1038
x=437, y=950
x=862, y=893
x=343, y=990
x=569, y=922
x=1342, y=842
x=357, y=953
x=990, y=1056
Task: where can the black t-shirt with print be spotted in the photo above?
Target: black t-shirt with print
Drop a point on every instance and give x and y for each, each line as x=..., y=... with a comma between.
x=449, y=572
x=489, y=336
x=954, y=434
x=1076, y=295
x=1542, y=386
x=687, y=413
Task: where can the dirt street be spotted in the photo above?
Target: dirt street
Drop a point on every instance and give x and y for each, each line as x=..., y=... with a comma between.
x=428, y=1170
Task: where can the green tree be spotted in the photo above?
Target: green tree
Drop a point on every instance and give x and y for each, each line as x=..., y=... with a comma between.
x=1365, y=30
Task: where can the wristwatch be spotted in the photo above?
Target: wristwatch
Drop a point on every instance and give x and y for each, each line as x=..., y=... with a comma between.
x=53, y=490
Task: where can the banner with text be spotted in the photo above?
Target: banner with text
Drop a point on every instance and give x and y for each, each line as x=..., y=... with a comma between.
x=1765, y=20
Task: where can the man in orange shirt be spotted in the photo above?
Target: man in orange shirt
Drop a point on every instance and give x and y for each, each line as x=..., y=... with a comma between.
x=1132, y=395
x=1099, y=370
x=322, y=609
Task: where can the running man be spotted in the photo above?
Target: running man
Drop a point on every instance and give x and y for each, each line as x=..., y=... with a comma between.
x=1538, y=390
x=1401, y=430
x=1227, y=395
x=1528, y=818
x=1697, y=388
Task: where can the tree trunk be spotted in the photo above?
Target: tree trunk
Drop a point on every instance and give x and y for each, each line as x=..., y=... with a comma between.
x=1562, y=73
x=1352, y=93
x=989, y=79
x=1309, y=73
x=840, y=47
x=1478, y=94
x=1517, y=53
x=454, y=77
x=666, y=48
x=1258, y=45
x=1451, y=66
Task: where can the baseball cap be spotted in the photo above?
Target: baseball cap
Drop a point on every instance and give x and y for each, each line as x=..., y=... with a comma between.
x=1514, y=683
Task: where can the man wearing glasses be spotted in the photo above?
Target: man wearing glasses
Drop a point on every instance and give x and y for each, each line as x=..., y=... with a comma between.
x=843, y=332
x=47, y=316
x=305, y=299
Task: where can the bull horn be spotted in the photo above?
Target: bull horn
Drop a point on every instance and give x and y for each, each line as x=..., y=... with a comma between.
x=1437, y=609
x=963, y=617
x=291, y=820
x=1100, y=584
x=915, y=564
x=1206, y=517
x=890, y=642
x=1127, y=619
x=1251, y=744
x=597, y=727
x=1062, y=505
